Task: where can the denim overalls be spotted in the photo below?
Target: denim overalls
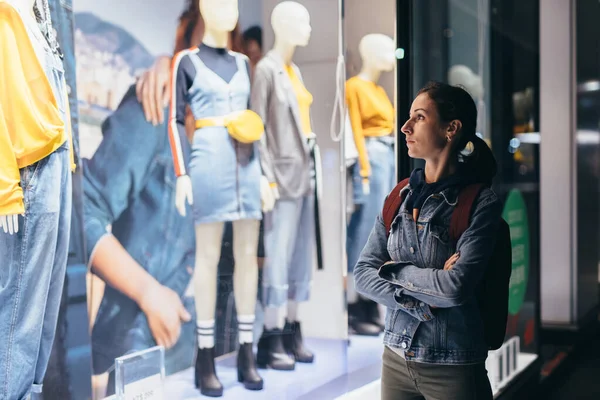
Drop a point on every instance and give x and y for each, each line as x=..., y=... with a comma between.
x=225, y=174
x=34, y=259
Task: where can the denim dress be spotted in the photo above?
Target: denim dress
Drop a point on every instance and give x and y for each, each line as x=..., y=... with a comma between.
x=225, y=173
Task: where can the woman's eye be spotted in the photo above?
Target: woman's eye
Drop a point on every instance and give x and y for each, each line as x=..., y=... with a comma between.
x=420, y=117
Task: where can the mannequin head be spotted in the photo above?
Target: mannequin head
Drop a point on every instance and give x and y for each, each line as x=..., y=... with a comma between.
x=291, y=23
x=377, y=52
x=219, y=15
x=461, y=75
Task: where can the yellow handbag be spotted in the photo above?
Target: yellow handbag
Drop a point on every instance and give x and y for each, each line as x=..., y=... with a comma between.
x=245, y=126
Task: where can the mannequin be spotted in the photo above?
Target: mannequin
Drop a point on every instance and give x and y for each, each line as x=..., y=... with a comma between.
x=222, y=180
x=36, y=161
x=283, y=102
x=371, y=115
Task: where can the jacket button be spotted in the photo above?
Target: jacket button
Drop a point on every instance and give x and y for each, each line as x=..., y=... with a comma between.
x=422, y=304
x=404, y=332
x=412, y=250
x=404, y=345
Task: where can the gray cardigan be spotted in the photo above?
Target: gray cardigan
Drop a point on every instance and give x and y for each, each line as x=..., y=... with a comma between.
x=284, y=152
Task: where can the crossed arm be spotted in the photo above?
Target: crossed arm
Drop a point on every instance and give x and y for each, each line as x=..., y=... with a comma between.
x=402, y=283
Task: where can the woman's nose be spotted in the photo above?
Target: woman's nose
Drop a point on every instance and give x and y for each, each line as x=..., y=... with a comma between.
x=406, y=128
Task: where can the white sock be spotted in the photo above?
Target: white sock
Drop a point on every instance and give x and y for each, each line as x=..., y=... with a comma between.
x=274, y=317
x=292, y=311
x=245, y=328
x=206, y=333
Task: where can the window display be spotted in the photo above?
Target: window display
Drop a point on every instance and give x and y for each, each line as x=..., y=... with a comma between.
x=199, y=194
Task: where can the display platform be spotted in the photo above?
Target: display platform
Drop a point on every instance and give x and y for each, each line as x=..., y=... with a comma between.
x=340, y=367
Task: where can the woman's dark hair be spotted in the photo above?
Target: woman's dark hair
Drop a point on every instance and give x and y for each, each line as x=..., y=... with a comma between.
x=455, y=103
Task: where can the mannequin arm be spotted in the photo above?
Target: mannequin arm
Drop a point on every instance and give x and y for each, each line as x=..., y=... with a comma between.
x=182, y=77
x=259, y=101
x=359, y=138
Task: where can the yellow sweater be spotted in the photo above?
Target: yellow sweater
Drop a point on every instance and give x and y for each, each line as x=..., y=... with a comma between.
x=31, y=127
x=371, y=114
x=304, y=98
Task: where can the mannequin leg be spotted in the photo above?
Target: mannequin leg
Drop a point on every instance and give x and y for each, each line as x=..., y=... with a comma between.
x=300, y=271
x=245, y=289
x=245, y=275
x=208, y=251
x=281, y=228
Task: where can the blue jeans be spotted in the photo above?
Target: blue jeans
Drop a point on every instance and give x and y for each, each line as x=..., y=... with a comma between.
x=289, y=248
x=381, y=182
x=32, y=274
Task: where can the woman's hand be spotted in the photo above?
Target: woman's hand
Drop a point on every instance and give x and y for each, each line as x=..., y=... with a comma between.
x=451, y=261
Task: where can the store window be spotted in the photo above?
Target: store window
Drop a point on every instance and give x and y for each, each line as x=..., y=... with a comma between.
x=205, y=237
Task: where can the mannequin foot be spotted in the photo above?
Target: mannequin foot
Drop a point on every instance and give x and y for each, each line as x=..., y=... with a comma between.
x=247, y=373
x=271, y=352
x=294, y=344
x=358, y=323
x=206, y=377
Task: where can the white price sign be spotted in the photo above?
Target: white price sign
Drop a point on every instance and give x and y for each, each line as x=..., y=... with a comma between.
x=150, y=388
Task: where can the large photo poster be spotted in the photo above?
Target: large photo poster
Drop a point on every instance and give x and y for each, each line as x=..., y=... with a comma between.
x=140, y=251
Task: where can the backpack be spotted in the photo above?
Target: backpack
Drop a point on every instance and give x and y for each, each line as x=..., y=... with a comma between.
x=492, y=293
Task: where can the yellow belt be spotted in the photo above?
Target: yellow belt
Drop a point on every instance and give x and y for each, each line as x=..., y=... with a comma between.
x=244, y=126
x=214, y=121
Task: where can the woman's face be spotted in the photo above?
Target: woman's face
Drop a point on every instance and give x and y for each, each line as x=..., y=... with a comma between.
x=426, y=136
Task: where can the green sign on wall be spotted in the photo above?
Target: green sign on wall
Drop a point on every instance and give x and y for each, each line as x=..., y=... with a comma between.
x=515, y=214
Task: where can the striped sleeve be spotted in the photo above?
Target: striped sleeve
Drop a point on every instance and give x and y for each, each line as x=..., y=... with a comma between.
x=182, y=77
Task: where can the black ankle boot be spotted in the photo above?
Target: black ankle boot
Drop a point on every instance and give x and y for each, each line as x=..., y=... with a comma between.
x=358, y=323
x=293, y=343
x=271, y=352
x=246, y=367
x=206, y=377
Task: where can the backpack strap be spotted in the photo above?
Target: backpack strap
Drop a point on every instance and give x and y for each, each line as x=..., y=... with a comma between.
x=462, y=212
x=392, y=204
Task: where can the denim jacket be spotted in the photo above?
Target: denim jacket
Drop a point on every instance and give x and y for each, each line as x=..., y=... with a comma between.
x=130, y=184
x=414, y=282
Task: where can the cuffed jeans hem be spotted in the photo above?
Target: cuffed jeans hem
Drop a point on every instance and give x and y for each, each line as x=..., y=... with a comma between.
x=299, y=292
x=275, y=296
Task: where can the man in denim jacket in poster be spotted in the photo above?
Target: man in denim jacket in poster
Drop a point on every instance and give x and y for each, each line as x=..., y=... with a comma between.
x=146, y=257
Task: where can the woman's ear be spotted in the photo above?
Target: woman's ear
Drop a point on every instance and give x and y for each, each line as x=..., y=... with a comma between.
x=453, y=128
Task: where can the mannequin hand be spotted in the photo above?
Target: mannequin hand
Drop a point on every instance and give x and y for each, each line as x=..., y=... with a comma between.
x=165, y=313
x=9, y=223
x=268, y=195
x=183, y=193
x=152, y=90
x=366, y=187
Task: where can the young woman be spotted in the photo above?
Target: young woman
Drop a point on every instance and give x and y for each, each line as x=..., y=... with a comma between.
x=434, y=342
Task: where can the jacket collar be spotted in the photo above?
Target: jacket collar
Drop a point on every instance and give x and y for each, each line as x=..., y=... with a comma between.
x=450, y=195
